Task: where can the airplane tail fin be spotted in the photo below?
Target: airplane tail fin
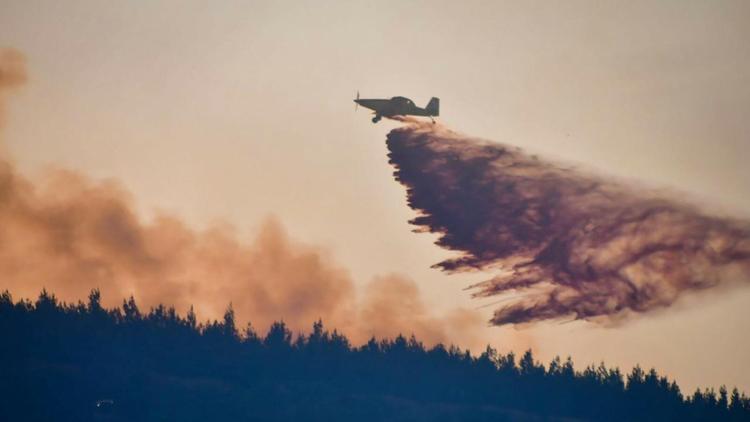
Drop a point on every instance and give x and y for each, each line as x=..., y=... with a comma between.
x=433, y=107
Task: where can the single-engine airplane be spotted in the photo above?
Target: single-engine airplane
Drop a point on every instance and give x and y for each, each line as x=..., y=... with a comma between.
x=398, y=106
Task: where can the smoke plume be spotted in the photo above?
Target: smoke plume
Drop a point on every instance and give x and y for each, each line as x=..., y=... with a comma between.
x=12, y=75
x=69, y=234
x=565, y=243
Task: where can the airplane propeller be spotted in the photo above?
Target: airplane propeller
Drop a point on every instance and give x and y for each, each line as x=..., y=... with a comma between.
x=356, y=104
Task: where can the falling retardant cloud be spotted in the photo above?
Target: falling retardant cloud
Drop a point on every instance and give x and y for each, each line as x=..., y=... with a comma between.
x=565, y=243
x=69, y=234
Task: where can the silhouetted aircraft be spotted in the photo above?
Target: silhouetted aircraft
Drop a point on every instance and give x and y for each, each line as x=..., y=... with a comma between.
x=399, y=106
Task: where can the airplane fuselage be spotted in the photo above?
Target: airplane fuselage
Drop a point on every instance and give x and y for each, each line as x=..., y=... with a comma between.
x=399, y=106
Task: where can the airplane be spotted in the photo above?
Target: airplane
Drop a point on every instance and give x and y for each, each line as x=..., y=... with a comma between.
x=398, y=106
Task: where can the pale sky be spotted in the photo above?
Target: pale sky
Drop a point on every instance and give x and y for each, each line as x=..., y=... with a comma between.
x=234, y=111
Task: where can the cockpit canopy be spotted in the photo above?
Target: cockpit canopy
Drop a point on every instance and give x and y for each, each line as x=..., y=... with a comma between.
x=402, y=100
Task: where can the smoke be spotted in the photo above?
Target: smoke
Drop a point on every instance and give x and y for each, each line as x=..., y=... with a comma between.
x=70, y=234
x=12, y=76
x=392, y=305
x=565, y=243
x=12, y=69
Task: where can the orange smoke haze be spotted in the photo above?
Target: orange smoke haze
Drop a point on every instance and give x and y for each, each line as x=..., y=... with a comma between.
x=69, y=234
x=12, y=75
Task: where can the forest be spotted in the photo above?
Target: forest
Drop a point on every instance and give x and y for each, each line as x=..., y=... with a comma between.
x=82, y=361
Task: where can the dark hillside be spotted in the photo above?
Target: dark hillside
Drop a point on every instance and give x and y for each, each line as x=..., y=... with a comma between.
x=83, y=362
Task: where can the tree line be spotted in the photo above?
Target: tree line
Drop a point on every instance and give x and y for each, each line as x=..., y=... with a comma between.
x=81, y=361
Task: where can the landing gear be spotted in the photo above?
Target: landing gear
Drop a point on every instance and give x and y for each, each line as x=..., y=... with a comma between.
x=376, y=118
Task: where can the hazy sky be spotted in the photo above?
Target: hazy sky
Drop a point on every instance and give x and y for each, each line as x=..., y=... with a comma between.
x=235, y=111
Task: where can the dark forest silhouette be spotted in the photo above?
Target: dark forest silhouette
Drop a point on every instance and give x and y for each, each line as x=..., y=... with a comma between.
x=84, y=362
